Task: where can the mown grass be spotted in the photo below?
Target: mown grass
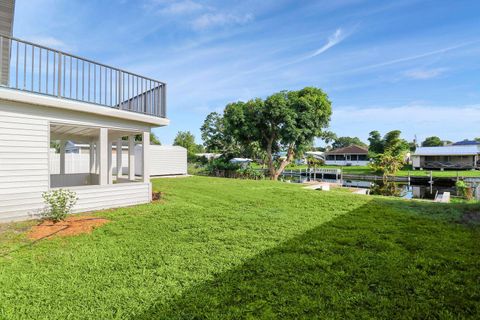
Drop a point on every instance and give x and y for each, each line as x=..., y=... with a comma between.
x=230, y=249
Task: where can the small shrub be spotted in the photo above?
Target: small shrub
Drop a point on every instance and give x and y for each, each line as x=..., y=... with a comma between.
x=464, y=190
x=221, y=164
x=59, y=204
x=250, y=173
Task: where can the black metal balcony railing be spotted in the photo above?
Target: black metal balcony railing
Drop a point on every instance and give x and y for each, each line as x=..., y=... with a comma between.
x=30, y=67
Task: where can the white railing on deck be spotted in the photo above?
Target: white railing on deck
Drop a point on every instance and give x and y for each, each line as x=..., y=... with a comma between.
x=34, y=68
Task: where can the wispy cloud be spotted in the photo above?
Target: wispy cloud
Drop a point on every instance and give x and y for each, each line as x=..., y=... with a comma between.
x=181, y=7
x=424, y=74
x=338, y=36
x=413, y=57
x=335, y=38
x=51, y=42
x=209, y=20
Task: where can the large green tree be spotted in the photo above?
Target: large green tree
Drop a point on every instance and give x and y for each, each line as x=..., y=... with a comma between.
x=376, y=144
x=285, y=121
x=394, y=144
x=341, y=142
x=216, y=138
x=433, y=141
x=187, y=140
x=391, y=143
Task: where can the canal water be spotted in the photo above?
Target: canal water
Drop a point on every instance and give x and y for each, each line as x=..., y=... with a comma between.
x=419, y=189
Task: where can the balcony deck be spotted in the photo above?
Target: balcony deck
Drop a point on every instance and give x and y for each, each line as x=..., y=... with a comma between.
x=34, y=68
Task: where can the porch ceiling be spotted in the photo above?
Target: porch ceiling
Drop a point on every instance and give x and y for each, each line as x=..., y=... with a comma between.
x=84, y=134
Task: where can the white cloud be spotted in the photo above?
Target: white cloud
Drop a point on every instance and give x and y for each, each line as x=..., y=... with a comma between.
x=209, y=20
x=51, y=42
x=448, y=122
x=181, y=7
x=411, y=58
x=424, y=74
x=338, y=36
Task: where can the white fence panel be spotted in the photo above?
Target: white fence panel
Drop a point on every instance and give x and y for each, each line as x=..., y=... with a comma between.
x=80, y=163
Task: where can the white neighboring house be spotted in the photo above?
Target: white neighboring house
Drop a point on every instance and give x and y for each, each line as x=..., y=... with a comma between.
x=242, y=162
x=48, y=95
x=349, y=156
x=447, y=157
x=209, y=156
x=319, y=155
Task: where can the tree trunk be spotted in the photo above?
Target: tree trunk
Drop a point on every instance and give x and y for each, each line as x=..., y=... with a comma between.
x=271, y=167
x=284, y=163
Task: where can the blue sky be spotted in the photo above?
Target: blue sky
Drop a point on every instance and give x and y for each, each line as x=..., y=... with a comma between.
x=408, y=65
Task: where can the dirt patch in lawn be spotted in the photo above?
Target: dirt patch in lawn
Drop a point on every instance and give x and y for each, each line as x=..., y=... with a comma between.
x=70, y=227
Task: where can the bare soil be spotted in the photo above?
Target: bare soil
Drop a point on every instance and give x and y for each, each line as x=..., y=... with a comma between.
x=71, y=226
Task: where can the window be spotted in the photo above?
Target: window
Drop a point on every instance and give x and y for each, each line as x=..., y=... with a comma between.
x=362, y=157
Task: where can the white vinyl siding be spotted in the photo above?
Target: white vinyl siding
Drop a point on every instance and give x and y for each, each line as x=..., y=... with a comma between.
x=111, y=196
x=23, y=165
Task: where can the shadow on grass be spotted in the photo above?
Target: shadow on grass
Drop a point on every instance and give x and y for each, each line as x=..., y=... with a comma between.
x=377, y=261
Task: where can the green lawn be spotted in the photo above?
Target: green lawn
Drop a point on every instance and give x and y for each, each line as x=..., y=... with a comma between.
x=231, y=249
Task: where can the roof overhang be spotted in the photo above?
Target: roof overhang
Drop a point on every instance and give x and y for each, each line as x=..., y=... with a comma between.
x=468, y=150
x=52, y=102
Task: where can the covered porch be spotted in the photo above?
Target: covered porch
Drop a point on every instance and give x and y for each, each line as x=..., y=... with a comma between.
x=104, y=164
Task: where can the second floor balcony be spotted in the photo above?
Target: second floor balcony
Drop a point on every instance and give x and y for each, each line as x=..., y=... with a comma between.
x=34, y=68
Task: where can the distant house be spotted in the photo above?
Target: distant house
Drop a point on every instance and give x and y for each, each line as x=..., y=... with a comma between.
x=319, y=155
x=456, y=156
x=209, y=156
x=466, y=143
x=348, y=156
x=242, y=162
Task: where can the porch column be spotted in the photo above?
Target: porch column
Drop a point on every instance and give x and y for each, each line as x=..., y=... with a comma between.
x=146, y=156
x=97, y=156
x=92, y=157
x=103, y=158
x=110, y=163
x=131, y=158
x=119, y=158
x=62, y=156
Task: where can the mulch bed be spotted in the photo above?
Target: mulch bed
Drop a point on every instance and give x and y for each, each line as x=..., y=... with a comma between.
x=69, y=227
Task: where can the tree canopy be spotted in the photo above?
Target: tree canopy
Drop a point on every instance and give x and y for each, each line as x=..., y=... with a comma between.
x=433, y=141
x=376, y=144
x=390, y=143
x=285, y=121
x=153, y=139
x=342, y=142
x=187, y=140
x=215, y=138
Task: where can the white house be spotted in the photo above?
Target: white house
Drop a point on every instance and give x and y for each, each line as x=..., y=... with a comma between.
x=456, y=156
x=49, y=95
x=349, y=156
